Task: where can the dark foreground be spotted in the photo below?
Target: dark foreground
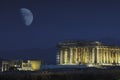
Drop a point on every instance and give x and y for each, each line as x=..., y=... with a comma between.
x=63, y=75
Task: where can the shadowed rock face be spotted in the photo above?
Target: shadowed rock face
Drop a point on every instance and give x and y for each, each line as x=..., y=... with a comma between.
x=80, y=75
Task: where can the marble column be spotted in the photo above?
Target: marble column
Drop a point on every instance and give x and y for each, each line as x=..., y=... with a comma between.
x=76, y=56
x=65, y=56
x=97, y=54
x=61, y=57
x=71, y=55
x=93, y=56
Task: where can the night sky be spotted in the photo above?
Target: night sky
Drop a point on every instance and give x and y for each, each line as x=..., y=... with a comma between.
x=55, y=21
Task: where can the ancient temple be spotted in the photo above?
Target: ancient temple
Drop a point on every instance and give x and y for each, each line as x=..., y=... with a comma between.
x=87, y=52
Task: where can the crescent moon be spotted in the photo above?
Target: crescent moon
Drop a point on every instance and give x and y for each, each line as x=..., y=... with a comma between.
x=27, y=16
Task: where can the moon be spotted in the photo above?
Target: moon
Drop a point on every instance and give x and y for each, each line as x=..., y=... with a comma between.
x=27, y=16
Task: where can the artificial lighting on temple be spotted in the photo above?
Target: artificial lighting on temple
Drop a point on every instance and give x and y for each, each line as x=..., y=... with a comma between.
x=87, y=52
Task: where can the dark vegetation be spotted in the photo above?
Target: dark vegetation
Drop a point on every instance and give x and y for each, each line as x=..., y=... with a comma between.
x=63, y=75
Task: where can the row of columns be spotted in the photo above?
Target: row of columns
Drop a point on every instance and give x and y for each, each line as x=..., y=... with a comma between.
x=89, y=55
x=108, y=55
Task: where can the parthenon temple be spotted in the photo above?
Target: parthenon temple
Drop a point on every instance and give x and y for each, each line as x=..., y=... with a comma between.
x=87, y=52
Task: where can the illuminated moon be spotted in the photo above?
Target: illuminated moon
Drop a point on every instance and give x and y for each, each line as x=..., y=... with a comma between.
x=27, y=16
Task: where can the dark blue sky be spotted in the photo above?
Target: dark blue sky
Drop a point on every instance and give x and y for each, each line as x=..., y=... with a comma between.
x=57, y=20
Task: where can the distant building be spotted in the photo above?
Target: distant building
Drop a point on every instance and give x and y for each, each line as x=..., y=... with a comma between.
x=21, y=65
x=87, y=52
